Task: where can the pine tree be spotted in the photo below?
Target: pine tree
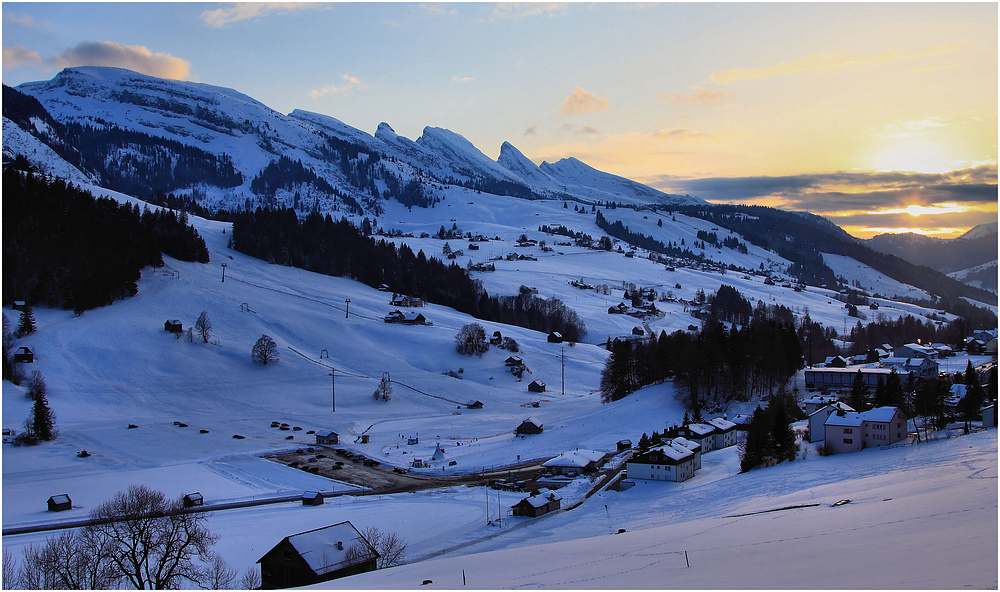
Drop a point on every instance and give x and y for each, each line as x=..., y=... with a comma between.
x=42, y=419
x=27, y=324
x=858, y=398
x=974, y=396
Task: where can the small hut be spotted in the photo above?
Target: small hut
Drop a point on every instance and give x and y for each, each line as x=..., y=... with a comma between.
x=59, y=503
x=193, y=499
x=23, y=355
x=312, y=498
x=327, y=438
x=530, y=425
x=173, y=326
x=536, y=386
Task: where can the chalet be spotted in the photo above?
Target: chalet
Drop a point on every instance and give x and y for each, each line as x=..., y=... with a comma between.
x=664, y=463
x=624, y=445
x=914, y=350
x=725, y=432
x=474, y=404
x=555, y=337
x=815, y=403
x=317, y=556
x=327, y=438
x=408, y=318
x=59, y=503
x=529, y=426
x=701, y=433
x=403, y=300
x=575, y=462
x=191, y=500
x=689, y=445
x=847, y=431
x=23, y=355
x=621, y=308
x=975, y=347
x=536, y=386
x=918, y=367
x=173, y=326
x=817, y=419
x=836, y=362
x=543, y=502
x=312, y=498
x=514, y=361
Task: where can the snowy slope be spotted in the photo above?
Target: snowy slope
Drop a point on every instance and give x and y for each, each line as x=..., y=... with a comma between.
x=870, y=280
x=581, y=179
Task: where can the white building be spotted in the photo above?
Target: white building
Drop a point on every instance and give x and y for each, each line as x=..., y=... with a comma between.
x=665, y=463
x=574, y=463
x=725, y=432
x=689, y=445
x=847, y=431
x=818, y=418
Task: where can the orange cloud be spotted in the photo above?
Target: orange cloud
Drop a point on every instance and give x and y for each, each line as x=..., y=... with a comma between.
x=132, y=57
x=350, y=83
x=243, y=11
x=15, y=57
x=581, y=101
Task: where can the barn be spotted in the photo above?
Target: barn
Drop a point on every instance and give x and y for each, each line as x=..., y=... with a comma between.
x=173, y=326
x=327, y=438
x=536, y=386
x=543, y=502
x=312, y=498
x=191, y=500
x=555, y=337
x=316, y=556
x=530, y=425
x=59, y=503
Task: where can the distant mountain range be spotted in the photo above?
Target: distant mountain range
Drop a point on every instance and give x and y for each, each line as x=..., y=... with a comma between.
x=973, y=253
x=215, y=148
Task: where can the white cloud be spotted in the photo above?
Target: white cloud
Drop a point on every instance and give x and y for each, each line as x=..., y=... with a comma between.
x=518, y=10
x=18, y=19
x=581, y=101
x=462, y=79
x=132, y=57
x=243, y=11
x=350, y=83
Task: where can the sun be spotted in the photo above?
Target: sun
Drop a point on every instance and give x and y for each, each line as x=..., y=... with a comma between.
x=913, y=156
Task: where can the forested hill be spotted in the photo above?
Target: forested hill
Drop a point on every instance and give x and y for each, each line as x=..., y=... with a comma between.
x=62, y=247
x=801, y=238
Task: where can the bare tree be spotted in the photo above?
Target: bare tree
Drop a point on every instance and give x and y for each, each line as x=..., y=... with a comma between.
x=219, y=575
x=73, y=560
x=152, y=541
x=390, y=547
x=203, y=326
x=265, y=351
x=9, y=570
x=250, y=580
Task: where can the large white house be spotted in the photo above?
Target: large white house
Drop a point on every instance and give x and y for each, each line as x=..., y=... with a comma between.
x=664, y=463
x=725, y=432
x=848, y=431
x=689, y=445
x=818, y=419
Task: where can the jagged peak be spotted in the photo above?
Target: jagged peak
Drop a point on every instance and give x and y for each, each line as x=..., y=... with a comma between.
x=385, y=130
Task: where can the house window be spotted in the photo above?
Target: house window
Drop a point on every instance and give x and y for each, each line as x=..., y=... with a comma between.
x=848, y=441
x=848, y=431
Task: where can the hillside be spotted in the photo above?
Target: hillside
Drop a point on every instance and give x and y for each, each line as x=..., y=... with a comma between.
x=975, y=247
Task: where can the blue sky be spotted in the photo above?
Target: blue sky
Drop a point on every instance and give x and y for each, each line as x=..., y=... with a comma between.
x=680, y=96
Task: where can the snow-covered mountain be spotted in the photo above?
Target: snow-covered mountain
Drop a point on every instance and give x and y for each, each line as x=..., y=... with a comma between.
x=354, y=168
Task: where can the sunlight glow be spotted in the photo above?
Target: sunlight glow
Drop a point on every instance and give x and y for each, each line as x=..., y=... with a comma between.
x=917, y=210
x=918, y=156
x=868, y=231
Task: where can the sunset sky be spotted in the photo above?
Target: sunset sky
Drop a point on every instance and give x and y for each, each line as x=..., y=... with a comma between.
x=881, y=117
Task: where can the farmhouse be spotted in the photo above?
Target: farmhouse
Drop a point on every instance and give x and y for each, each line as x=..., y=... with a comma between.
x=327, y=438
x=725, y=432
x=847, y=431
x=317, y=556
x=408, y=318
x=574, y=463
x=536, y=386
x=530, y=425
x=817, y=419
x=664, y=463
x=514, y=361
x=543, y=502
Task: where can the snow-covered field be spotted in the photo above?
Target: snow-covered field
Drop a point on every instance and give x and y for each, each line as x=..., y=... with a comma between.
x=116, y=366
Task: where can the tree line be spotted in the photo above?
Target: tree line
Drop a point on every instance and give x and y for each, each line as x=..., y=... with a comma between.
x=65, y=248
x=321, y=244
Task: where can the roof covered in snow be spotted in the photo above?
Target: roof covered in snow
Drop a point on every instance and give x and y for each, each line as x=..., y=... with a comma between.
x=319, y=547
x=574, y=458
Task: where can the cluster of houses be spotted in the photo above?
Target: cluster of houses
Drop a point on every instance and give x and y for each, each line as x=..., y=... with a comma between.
x=912, y=360
x=679, y=458
x=406, y=318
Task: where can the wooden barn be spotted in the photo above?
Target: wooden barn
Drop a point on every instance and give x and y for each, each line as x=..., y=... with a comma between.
x=541, y=503
x=59, y=503
x=530, y=425
x=555, y=337
x=191, y=500
x=23, y=355
x=312, y=498
x=173, y=326
x=316, y=556
x=536, y=386
x=474, y=404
